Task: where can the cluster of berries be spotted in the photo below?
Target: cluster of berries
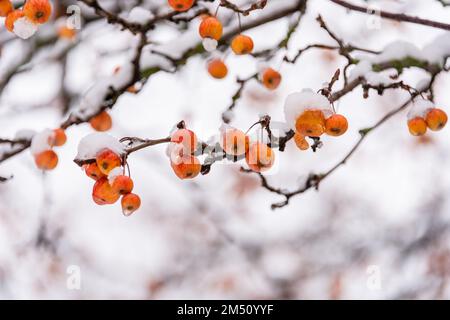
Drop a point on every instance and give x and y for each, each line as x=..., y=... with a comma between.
x=211, y=31
x=258, y=155
x=24, y=22
x=234, y=142
x=423, y=115
x=183, y=144
x=42, y=146
x=111, y=182
x=311, y=115
x=313, y=123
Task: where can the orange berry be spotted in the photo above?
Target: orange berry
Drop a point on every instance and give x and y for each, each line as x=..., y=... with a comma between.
x=311, y=123
x=101, y=122
x=59, y=138
x=46, y=160
x=217, y=69
x=181, y=5
x=417, y=126
x=260, y=157
x=186, y=138
x=11, y=19
x=436, y=119
x=271, y=79
x=65, y=32
x=301, y=142
x=102, y=193
x=38, y=11
x=5, y=7
x=122, y=184
x=93, y=171
x=242, y=44
x=107, y=160
x=186, y=167
x=235, y=142
x=130, y=203
x=211, y=27
x=336, y=125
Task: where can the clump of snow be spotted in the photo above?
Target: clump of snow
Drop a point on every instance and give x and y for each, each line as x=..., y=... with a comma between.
x=210, y=44
x=364, y=69
x=41, y=141
x=420, y=108
x=25, y=134
x=281, y=127
x=398, y=50
x=90, y=145
x=438, y=49
x=123, y=76
x=24, y=28
x=140, y=15
x=114, y=173
x=297, y=103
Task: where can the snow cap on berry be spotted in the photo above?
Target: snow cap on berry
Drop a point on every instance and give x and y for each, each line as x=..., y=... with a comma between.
x=297, y=103
x=90, y=145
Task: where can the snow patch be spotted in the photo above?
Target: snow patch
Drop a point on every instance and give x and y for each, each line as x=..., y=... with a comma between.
x=210, y=44
x=297, y=103
x=24, y=28
x=140, y=15
x=41, y=141
x=419, y=109
x=90, y=145
x=114, y=173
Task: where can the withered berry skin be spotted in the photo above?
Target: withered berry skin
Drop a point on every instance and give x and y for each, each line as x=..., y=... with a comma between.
x=186, y=167
x=417, y=126
x=436, y=119
x=46, y=160
x=107, y=160
x=336, y=125
x=260, y=157
x=103, y=194
x=130, y=203
x=181, y=5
